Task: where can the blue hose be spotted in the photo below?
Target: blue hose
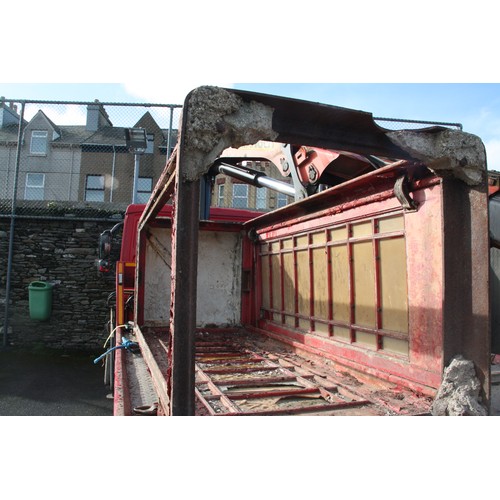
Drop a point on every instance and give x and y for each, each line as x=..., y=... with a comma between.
x=126, y=344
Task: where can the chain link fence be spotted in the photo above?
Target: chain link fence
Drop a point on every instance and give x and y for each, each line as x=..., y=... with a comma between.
x=72, y=159
x=403, y=124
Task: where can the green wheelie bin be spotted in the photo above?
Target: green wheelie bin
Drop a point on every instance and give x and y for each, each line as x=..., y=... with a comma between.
x=40, y=300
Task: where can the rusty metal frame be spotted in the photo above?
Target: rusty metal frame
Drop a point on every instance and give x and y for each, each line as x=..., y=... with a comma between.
x=214, y=119
x=333, y=395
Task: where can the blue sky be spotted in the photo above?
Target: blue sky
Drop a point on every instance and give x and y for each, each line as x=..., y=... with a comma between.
x=436, y=61
x=475, y=105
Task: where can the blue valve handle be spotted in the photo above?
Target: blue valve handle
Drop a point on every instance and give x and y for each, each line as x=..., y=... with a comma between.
x=126, y=344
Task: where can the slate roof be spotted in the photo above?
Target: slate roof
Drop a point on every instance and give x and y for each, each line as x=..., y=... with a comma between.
x=78, y=135
x=8, y=134
x=106, y=136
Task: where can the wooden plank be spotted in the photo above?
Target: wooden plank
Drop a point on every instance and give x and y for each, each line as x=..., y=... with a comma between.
x=305, y=409
x=255, y=381
x=364, y=284
x=393, y=284
x=216, y=391
x=303, y=287
x=289, y=288
x=340, y=283
x=234, y=369
x=320, y=284
x=270, y=394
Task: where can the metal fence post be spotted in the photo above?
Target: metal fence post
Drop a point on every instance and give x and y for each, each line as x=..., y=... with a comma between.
x=12, y=227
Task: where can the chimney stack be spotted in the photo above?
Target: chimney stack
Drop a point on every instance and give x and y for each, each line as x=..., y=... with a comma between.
x=97, y=117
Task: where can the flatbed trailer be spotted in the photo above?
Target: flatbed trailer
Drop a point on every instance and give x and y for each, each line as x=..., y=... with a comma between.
x=240, y=373
x=352, y=300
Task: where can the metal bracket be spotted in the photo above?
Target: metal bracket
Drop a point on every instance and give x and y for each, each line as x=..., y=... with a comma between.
x=402, y=193
x=300, y=190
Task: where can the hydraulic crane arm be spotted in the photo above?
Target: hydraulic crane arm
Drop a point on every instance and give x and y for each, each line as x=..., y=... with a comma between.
x=253, y=177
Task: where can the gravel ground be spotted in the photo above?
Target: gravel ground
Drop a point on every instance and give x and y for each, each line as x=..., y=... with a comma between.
x=52, y=383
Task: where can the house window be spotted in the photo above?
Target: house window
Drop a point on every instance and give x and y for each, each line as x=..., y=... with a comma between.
x=240, y=196
x=94, y=189
x=34, y=187
x=281, y=200
x=144, y=189
x=38, y=144
x=261, y=199
x=220, y=196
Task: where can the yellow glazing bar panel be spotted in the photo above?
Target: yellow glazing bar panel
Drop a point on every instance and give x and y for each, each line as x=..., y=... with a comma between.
x=362, y=229
x=391, y=224
x=320, y=280
x=303, y=288
x=264, y=264
x=288, y=281
x=340, y=283
x=348, y=282
x=364, y=284
x=276, y=289
x=289, y=288
x=394, y=292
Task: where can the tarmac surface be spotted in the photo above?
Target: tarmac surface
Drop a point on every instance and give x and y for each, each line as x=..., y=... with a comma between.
x=41, y=382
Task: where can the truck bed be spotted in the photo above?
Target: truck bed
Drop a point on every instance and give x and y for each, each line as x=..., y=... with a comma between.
x=242, y=373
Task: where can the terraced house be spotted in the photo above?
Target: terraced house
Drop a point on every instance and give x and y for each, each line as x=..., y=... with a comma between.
x=81, y=164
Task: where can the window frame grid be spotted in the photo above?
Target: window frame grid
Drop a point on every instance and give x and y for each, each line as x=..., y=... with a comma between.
x=246, y=197
x=87, y=189
x=266, y=252
x=220, y=196
x=142, y=192
x=42, y=134
x=29, y=186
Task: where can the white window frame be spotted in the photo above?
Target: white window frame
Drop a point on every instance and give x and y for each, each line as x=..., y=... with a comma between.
x=281, y=200
x=238, y=197
x=143, y=195
x=220, y=195
x=261, y=198
x=92, y=189
x=30, y=188
x=38, y=137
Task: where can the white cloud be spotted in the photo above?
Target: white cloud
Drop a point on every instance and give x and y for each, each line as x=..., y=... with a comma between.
x=59, y=114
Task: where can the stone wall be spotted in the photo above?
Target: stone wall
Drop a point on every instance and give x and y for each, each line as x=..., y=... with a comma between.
x=64, y=253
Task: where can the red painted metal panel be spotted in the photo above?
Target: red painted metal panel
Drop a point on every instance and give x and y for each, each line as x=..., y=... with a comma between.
x=134, y=213
x=423, y=365
x=121, y=396
x=353, y=358
x=424, y=242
